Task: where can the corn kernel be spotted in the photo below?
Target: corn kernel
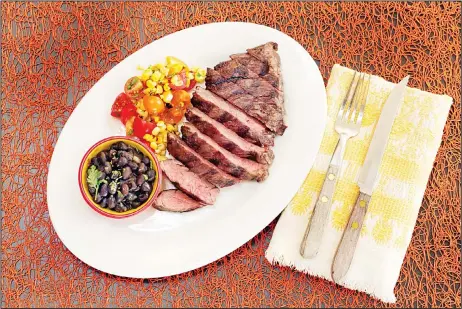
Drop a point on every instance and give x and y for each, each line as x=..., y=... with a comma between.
x=146, y=91
x=156, y=76
x=155, y=131
x=161, y=157
x=190, y=75
x=159, y=89
x=167, y=96
x=170, y=128
x=148, y=137
x=151, y=84
x=200, y=75
x=164, y=71
x=161, y=124
x=146, y=75
x=158, y=151
x=166, y=87
x=164, y=138
x=153, y=145
x=156, y=119
x=161, y=147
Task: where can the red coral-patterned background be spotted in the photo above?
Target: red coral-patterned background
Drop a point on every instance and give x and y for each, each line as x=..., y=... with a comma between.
x=53, y=52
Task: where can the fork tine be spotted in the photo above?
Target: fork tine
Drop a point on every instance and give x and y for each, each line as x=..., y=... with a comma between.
x=363, y=106
x=348, y=98
x=351, y=112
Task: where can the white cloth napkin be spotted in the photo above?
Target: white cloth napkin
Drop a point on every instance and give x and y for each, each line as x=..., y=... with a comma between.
x=394, y=206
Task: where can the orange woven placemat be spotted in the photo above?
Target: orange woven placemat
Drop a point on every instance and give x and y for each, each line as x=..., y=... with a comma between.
x=52, y=53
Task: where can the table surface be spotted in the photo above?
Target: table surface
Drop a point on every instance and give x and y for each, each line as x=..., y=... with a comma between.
x=52, y=53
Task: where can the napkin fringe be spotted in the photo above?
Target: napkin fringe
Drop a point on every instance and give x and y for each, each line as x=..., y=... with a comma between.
x=278, y=259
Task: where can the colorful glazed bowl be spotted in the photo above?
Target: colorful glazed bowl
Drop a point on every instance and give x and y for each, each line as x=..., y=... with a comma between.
x=106, y=144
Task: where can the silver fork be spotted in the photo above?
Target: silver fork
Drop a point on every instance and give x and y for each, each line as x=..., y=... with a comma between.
x=347, y=125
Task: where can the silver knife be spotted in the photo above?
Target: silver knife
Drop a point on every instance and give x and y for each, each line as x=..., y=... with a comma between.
x=367, y=181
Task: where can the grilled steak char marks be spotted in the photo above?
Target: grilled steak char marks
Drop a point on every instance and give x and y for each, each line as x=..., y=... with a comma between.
x=223, y=159
x=227, y=138
x=252, y=100
x=176, y=201
x=267, y=53
x=189, y=182
x=253, y=83
x=197, y=164
x=232, y=117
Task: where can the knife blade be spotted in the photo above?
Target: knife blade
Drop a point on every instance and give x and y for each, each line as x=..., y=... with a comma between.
x=377, y=146
x=367, y=180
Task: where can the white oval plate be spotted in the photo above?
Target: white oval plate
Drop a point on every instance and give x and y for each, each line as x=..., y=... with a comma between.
x=158, y=244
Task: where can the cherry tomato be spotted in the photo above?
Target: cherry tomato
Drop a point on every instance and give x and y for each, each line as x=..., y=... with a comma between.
x=153, y=104
x=120, y=101
x=181, y=98
x=192, y=83
x=141, y=127
x=128, y=111
x=180, y=83
x=173, y=115
x=133, y=87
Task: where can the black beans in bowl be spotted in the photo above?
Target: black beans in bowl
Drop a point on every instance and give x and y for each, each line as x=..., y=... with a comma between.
x=120, y=178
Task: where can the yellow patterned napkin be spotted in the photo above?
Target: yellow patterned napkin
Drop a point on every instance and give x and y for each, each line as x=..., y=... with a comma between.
x=392, y=213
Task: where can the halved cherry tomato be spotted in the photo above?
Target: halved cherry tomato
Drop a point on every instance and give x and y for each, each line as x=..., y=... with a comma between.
x=181, y=99
x=119, y=103
x=141, y=127
x=153, y=104
x=192, y=83
x=128, y=111
x=133, y=87
x=173, y=115
x=178, y=82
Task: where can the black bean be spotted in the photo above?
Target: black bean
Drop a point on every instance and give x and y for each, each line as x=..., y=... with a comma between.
x=112, y=187
x=123, y=146
x=103, y=190
x=146, y=160
x=107, y=168
x=135, y=204
x=102, y=175
x=140, y=180
x=111, y=202
x=98, y=198
x=112, y=152
x=126, y=154
x=126, y=172
x=128, y=206
x=102, y=157
x=103, y=203
x=120, y=208
x=91, y=190
x=151, y=175
x=94, y=161
x=142, y=168
x=133, y=165
x=137, y=159
x=146, y=187
x=122, y=162
x=131, y=197
x=124, y=189
x=143, y=197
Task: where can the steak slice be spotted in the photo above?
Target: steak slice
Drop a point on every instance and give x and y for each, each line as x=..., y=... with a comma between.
x=265, y=109
x=253, y=85
x=232, y=117
x=222, y=158
x=267, y=53
x=176, y=201
x=261, y=68
x=189, y=182
x=197, y=164
x=227, y=138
